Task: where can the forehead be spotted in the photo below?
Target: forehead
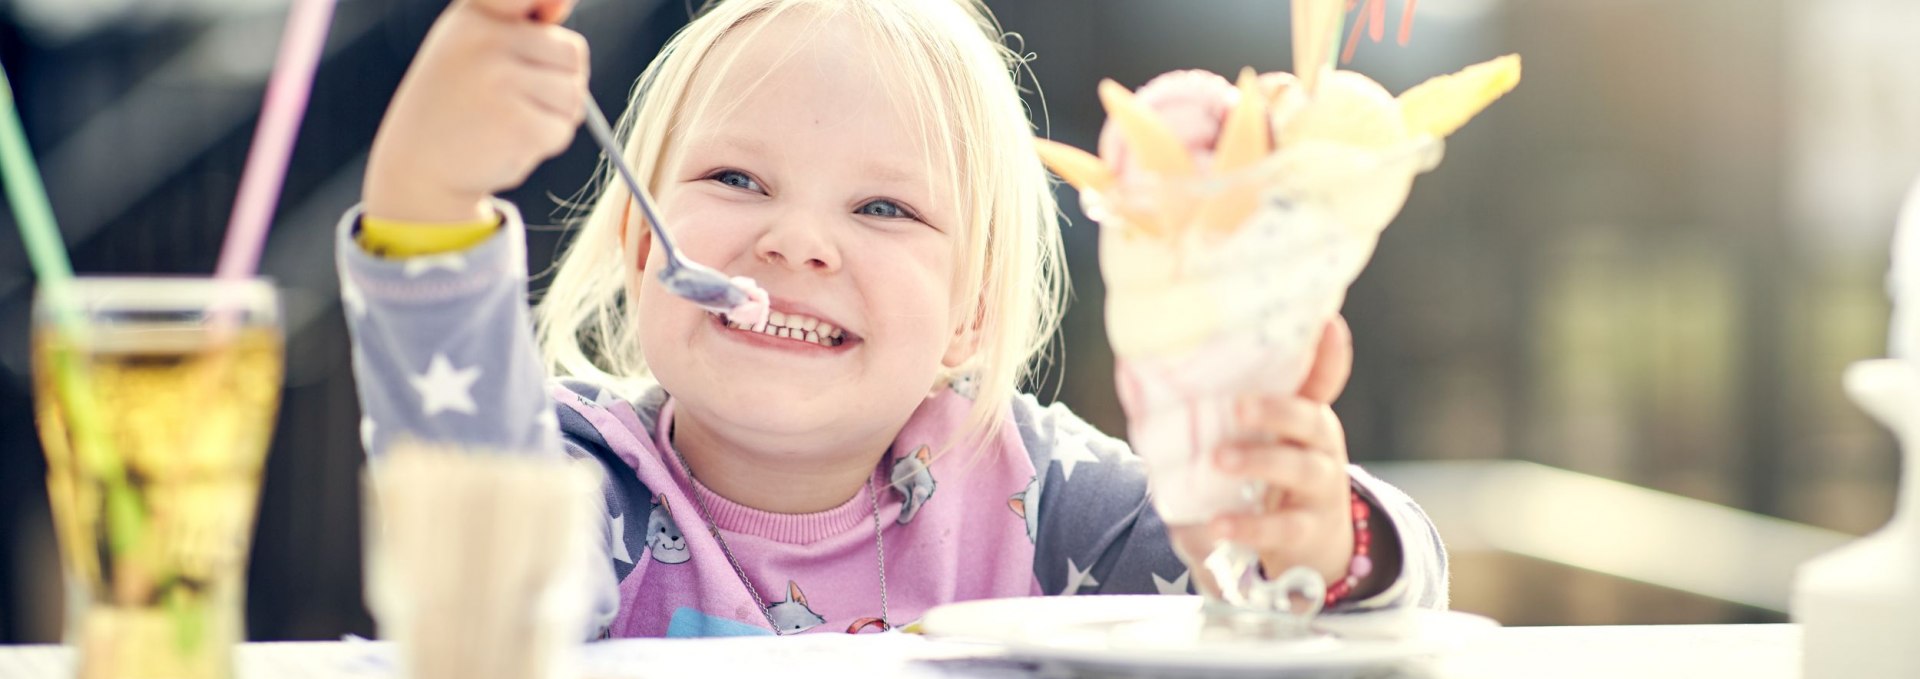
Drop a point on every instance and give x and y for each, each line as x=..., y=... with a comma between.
x=817, y=73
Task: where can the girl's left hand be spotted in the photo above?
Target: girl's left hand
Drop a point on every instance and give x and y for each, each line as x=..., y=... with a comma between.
x=1296, y=445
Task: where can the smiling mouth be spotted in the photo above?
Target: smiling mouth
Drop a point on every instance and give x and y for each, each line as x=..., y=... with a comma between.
x=795, y=327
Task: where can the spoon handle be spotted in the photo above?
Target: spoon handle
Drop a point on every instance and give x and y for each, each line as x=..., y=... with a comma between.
x=603, y=134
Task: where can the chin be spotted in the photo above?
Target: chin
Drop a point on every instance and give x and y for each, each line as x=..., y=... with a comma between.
x=794, y=416
x=770, y=408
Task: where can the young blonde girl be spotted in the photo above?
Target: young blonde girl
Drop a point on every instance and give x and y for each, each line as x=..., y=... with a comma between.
x=866, y=456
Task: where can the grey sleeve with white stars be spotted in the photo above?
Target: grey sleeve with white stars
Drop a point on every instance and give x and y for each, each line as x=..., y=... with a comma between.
x=1099, y=533
x=443, y=353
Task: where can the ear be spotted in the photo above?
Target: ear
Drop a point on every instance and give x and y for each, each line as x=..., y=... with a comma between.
x=965, y=342
x=628, y=223
x=794, y=593
x=921, y=454
x=1019, y=505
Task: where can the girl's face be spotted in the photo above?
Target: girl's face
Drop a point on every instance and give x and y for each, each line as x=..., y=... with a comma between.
x=818, y=186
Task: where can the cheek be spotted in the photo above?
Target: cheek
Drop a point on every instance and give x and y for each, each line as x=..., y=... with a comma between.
x=913, y=289
x=708, y=230
x=658, y=316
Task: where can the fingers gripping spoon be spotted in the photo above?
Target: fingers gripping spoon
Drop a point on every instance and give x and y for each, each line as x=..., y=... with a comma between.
x=739, y=298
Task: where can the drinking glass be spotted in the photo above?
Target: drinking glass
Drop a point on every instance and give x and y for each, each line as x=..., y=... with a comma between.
x=156, y=399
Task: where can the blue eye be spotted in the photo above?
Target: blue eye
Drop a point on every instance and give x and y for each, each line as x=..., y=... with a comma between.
x=736, y=179
x=885, y=209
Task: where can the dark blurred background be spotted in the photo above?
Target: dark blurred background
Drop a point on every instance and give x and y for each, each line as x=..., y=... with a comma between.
x=1602, y=344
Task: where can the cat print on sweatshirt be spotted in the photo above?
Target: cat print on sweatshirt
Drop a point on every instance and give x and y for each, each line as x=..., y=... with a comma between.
x=664, y=540
x=793, y=616
x=1026, y=504
x=966, y=384
x=913, y=478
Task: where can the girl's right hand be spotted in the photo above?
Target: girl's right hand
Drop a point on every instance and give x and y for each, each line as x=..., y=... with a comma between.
x=496, y=89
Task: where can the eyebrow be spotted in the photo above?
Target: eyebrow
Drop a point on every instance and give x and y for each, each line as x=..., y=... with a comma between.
x=886, y=172
x=891, y=173
x=736, y=142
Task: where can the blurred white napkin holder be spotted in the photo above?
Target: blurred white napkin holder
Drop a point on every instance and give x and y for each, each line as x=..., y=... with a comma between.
x=1859, y=605
x=476, y=562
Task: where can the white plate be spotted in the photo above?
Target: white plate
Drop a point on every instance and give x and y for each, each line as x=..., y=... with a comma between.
x=1136, y=633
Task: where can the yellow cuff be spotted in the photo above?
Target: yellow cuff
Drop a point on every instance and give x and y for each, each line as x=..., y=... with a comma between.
x=394, y=239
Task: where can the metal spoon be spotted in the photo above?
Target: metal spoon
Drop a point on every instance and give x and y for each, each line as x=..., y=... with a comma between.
x=1283, y=607
x=691, y=280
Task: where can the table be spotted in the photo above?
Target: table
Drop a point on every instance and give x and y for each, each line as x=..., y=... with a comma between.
x=1633, y=652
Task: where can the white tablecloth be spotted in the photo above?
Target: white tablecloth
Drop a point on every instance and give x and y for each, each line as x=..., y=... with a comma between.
x=1629, y=652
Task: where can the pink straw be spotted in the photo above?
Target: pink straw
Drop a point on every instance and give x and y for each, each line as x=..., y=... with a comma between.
x=266, y=170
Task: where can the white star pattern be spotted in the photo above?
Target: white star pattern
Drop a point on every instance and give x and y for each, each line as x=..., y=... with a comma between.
x=452, y=261
x=1178, y=586
x=619, y=541
x=350, y=297
x=1077, y=579
x=366, y=433
x=444, y=388
x=1070, y=449
x=546, y=420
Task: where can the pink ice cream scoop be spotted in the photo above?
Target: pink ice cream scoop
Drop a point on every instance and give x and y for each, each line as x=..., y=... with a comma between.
x=1194, y=105
x=753, y=312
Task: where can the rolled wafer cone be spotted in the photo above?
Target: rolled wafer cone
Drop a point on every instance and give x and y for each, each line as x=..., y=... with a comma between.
x=1316, y=29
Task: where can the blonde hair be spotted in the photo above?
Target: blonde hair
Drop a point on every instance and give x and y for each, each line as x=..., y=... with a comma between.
x=957, y=75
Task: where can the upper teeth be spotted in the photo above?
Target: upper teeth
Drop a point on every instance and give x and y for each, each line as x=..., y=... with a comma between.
x=796, y=326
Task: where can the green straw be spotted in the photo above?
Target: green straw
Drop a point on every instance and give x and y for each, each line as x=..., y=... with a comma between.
x=1333, y=45
x=29, y=199
x=48, y=255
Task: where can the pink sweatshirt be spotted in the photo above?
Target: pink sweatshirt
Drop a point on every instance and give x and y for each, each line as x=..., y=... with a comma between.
x=443, y=352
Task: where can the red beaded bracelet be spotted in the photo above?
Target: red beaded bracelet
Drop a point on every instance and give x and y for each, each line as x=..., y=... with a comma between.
x=1362, y=563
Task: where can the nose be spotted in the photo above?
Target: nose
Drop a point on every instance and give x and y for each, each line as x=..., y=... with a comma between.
x=799, y=241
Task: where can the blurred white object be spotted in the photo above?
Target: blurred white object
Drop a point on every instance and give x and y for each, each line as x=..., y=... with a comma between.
x=1152, y=636
x=476, y=562
x=1903, y=281
x=1858, y=604
x=1612, y=528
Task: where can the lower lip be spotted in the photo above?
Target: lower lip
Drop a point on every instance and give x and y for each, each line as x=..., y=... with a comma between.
x=766, y=341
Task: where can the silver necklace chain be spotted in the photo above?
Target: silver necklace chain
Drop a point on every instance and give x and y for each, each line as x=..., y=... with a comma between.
x=879, y=546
